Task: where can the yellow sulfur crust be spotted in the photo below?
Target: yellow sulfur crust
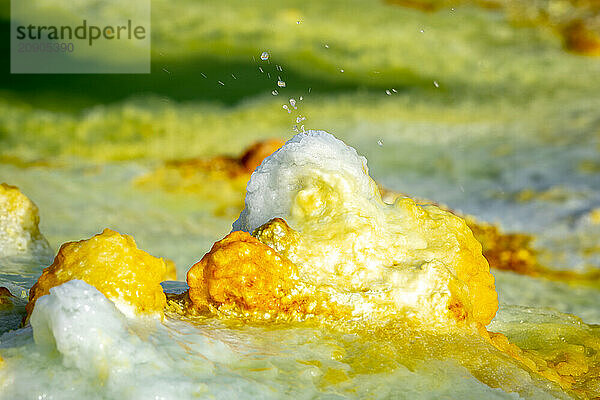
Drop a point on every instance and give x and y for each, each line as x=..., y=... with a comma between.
x=113, y=264
x=462, y=275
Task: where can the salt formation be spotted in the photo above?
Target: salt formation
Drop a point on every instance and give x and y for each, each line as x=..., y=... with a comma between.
x=314, y=204
x=112, y=263
x=19, y=225
x=82, y=324
x=94, y=338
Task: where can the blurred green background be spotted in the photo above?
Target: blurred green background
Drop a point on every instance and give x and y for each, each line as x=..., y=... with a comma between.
x=351, y=61
x=488, y=106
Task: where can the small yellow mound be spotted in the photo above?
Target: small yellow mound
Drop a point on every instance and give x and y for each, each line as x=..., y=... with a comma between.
x=241, y=276
x=113, y=264
x=19, y=220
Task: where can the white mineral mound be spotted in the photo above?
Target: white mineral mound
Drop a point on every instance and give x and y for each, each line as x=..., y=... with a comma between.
x=314, y=155
x=380, y=259
x=97, y=341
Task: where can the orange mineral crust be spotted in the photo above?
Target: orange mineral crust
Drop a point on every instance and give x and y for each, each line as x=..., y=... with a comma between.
x=243, y=277
x=255, y=154
x=5, y=298
x=113, y=264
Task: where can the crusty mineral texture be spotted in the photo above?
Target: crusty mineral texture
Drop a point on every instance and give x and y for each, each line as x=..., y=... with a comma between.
x=322, y=230
x=19, y=220
x=113, y=264
x=241, y=276
x=316, y=240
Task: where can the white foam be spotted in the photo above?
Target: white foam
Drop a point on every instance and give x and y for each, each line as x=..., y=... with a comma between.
x=94, y=338
x=274, y=184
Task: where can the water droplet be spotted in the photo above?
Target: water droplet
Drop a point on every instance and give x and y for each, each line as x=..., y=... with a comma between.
x=394, y=90
x=380, y=142
x=302, y=128
x=309, y=90
x=233, y=76
x=261, y=70
x=280, y=83
x=166, y=70
x=341, y=70
x=286, y=108
x=264, y=56
x=326, y=46
x=452, y=9
x=300, y=118
x=298, y=22
x=274, y=92
x=295, y=128
x=279, y=68
x=269, y=75
x=387, y=91
x=436, y=84
x=221, y=83
x=301, y=98
x=422, y=31
x=203, y=74
x=293, y=103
